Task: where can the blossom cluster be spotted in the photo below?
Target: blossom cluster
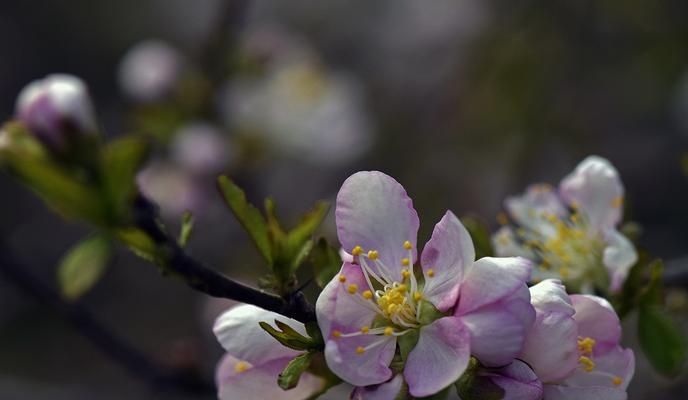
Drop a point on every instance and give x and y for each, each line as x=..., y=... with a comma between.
x=397, y=322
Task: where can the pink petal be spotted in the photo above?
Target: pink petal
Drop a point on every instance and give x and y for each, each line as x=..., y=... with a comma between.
x=557, y=392
x=374, y=212
x=439, y=358
x=491, y=279
x=239, y=332
x=597, y=319
x=385, y=391
x=448, y=253
x=595, y=187
x=619, y=256
x=550, y=296
x=361, y=369
x=497, y=335
x=260, y=381
x=551, y=346
x=336, y=308
x=616, y=363
x=506, y=245
x=518, y=381
x=530, y=208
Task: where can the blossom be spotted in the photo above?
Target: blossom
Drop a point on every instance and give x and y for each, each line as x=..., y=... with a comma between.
x=573, y=346
x=517, y=380
x=57, y=109
x=455, y=307
x=254, y=359
x=571, y=233
x=149, y=70
x=201, y=148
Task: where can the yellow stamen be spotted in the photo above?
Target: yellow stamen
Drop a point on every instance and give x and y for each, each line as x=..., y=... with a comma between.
x=342, y=278
x=357, y=251
x=336, y=334
x=240, y=367
x=588, y=364
x=373, y=255
x=405, y=262
x=502, y=218
x=431, y=272
x=402, y=287
x=616, y=380
x=408, y=245
x=389, y=331
x=586, y=345
x=405, y=274
x=360, y=350
x=617, y=202
x=367, y=295
x=417, y=296
x=364, y=329
x=353, y=288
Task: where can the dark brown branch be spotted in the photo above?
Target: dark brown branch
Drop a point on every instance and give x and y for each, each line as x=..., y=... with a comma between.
x=136, y=363
x=209, y=281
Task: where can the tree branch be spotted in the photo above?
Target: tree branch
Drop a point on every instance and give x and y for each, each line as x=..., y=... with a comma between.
x=209, y=281
x=124, y=354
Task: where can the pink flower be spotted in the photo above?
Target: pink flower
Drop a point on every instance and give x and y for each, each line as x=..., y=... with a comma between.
x=572, y=233
x=517, y=379
x=457, y=307
x=254, y=359
x=573, y=346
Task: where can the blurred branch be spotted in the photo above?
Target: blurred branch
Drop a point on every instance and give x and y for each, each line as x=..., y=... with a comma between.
x=209, y=281
x=136, y=363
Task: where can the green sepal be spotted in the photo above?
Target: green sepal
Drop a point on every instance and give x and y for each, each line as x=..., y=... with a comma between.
x=83, y=266
x=472, y=386
x=289, y=337
x=186, y=229
x=290, y=375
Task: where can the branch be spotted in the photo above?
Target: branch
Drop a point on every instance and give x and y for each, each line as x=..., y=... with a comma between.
x=209, y=281
x=130, y=358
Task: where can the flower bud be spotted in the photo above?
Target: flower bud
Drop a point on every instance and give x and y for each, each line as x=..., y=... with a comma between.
x=149, y=71
x=57, y=109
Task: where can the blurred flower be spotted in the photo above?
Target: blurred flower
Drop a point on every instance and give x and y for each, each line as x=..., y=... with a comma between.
x=377, y=300
x=254, y=359
x=300, y=108
x=517, y=379
x=389, y=390
x=172, y=187
x=149, y=70
x=573, y=346
x=572, y=233
x=57, y=109
x=201, y=148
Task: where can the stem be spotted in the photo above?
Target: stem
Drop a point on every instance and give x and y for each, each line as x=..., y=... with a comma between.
x=120, y=351
x=209, y=281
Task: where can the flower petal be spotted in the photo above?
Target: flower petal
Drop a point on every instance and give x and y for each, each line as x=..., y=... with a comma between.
x=619, y=256
x=597, y=319
x=260, y=381
x=505, y=244
x=365, y=368
x=550, y=296
x=491, y=279
x=385, y=391
x=448, y=253
x=530, y=208
x=518, y=381
x=596, y=189
x=617, y=363
x=239, y=332
x=497, y=335
x=439, y=358
x=374, y=212
x=558, y=392
x=551, y=347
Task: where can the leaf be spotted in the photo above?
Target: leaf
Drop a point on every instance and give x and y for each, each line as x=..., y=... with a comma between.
x=122, y=159
x=326, y=262
x=186, y=229
x=290, y=338
x=141, y=244
x=480, y=234
x=407, y=342
x=248, y=216
x=289, y=377
x=661, y=341
x=651, y=294
x=308, y=224
x=301, y=255
x=84, y=264
x=472, y=386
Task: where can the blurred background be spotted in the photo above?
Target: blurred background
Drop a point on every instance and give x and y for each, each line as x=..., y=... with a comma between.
x=463, y=101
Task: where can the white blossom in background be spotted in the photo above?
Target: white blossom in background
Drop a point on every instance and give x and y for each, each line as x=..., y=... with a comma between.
x=201, y=148
x=149, y=70
x=172, y=187
x=299, y=107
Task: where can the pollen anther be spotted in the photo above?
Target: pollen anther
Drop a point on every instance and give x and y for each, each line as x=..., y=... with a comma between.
x=241, y=366
x=373, y=255
x=342, y=278
x=408, y=245
x=352, y=289
x=360, y=350
x=389, y=331
x=405, y=262
x=367, y=295
x=431, y=272
x=357, y=251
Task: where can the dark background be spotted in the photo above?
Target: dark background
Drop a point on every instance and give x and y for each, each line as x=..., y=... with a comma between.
x=469, y=101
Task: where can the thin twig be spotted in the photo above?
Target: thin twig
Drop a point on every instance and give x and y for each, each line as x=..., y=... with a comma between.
x=131, y=359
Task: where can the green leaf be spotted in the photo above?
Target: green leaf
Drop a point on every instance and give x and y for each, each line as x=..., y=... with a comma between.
x=301, y=255
x=289, y=338
x=186, y=230
x=122, y=159
x=83, y=266
x=289, y=377
x=652, y=293
x=326, y=262
x=308, y=224
x=480, y=233
x=248, y=216
x=661, y=341
x=141, y=244
x=472, y=386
